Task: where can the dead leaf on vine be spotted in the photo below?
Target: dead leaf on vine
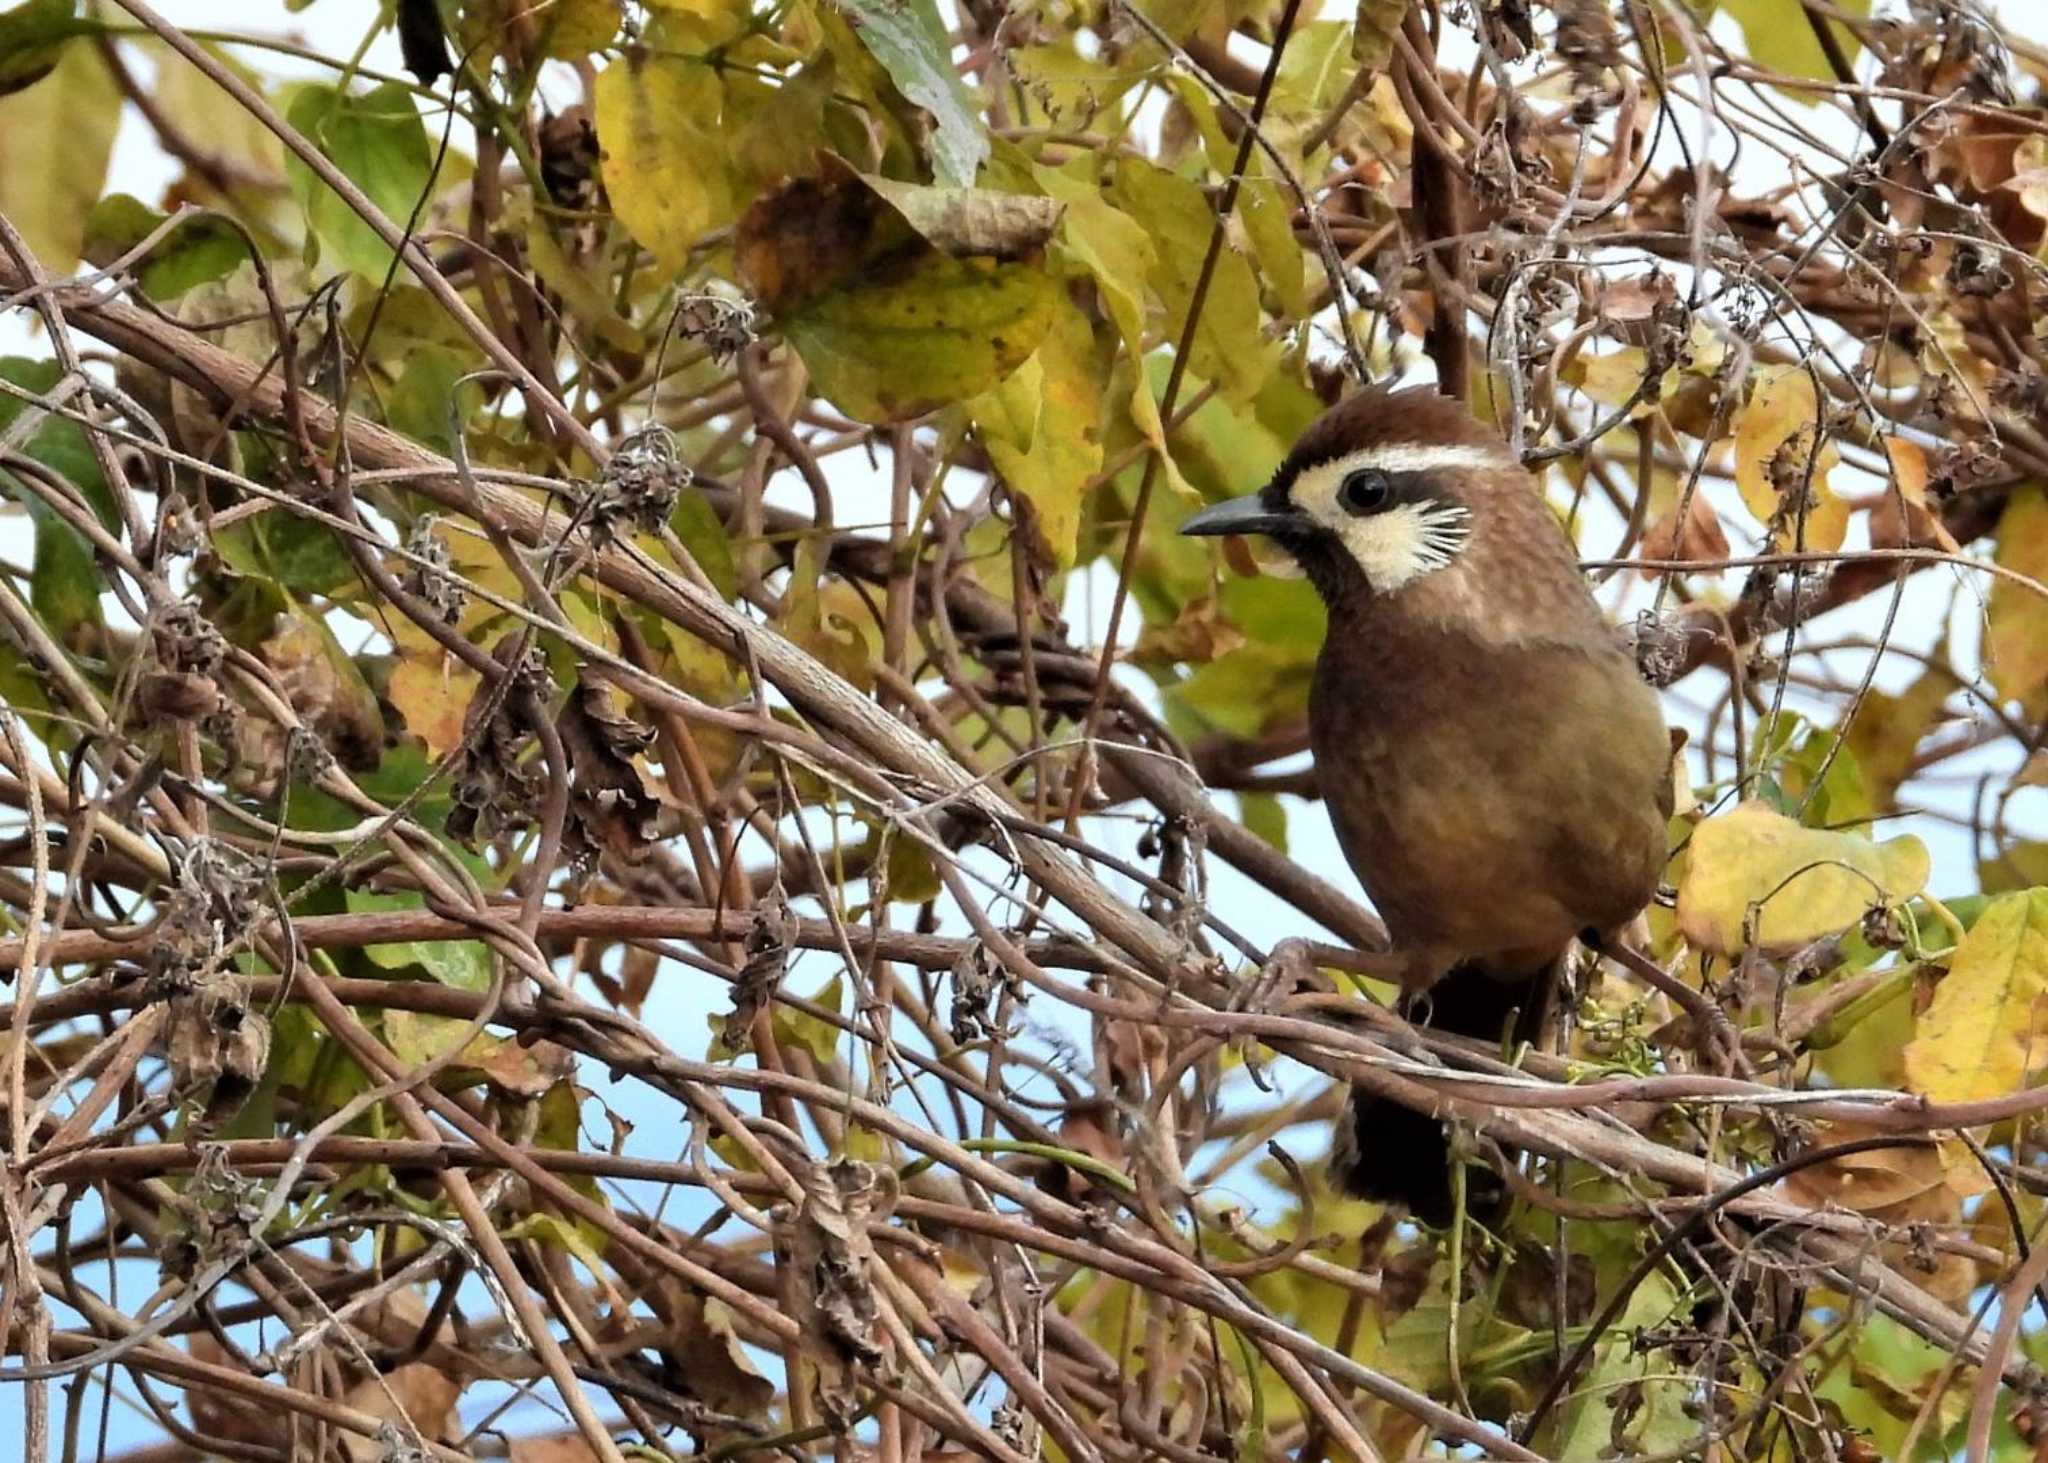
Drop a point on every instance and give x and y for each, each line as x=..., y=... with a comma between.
x=832, y=1258
x=611, y=808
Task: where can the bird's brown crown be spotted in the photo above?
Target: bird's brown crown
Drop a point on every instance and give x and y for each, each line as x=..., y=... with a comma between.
x=1379, y=416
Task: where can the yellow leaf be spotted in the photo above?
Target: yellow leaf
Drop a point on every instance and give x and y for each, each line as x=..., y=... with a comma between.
x=1755, y=871
x=1986, y=1033
x=1229, y=346
x=657, y=133
x=431, y=691
x=2016, y=628
x=1614, y=378
x=1902, y=518
x=1779, y=39
x=1888, y=730
x=1372, y=41
x=1775, y=436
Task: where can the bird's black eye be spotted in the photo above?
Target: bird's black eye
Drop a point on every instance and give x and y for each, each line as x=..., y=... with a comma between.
x=1365, y=491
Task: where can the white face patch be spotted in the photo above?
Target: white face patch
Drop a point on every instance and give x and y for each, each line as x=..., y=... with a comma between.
x=1402, y=542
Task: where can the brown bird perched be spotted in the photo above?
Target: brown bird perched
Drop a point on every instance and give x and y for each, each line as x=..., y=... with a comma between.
x=1497, y=771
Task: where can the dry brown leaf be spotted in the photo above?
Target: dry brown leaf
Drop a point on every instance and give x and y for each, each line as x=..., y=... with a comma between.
x=1904, y=519
x=564, y=1448
x=417, y=1399
x=1700, y=537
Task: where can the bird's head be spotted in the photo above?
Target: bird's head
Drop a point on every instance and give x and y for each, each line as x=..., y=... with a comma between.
x=1388, y=491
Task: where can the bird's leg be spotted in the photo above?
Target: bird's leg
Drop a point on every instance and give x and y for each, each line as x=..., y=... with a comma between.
x=1289, y=967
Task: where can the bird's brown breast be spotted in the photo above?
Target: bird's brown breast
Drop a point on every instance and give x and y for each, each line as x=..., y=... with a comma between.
x=1494, y=801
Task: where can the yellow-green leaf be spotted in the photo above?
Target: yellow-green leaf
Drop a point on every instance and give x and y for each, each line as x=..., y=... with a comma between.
x=463, y=964
x=1754, y=872
x=1372, y=39
x=32, y=36
x=1779, y=38
x=1888, y=730
x=1229, y=346
x=1109, y=246
x=2016, y=621
x=60, y=133
x=661, y=155
x=1042, y=428
x=895, y=344
x=572, y=29
x=1986, y=1033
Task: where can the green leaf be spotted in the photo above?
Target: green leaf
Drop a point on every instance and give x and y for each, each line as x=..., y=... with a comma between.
x=64, y=579
x=1245, y=692
x=1416, y=1346
x=909, y=39
x=1043, y=427
x=1229, y=346
x=297, y=553
x=463, y=964
x=198, y=250
x=1981, y=1036
x=1790, y=752
x=377, y=141
x=1796, y=884
x=59, y=135
x=899, y=342
x=662, y=157
x=1265, y=815
x=1586, y=1424
x=32, y=37
x=698, y=527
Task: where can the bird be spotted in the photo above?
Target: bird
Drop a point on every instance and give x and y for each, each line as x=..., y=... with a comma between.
x=1497, y=772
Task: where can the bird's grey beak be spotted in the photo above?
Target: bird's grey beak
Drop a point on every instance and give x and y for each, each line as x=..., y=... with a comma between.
x=1240, y=515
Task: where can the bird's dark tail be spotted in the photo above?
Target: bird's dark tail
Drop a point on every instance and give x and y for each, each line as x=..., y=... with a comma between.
x=1400, y=1156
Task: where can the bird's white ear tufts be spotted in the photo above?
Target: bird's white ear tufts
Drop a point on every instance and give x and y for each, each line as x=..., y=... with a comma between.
x=1406, y=542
